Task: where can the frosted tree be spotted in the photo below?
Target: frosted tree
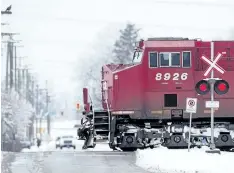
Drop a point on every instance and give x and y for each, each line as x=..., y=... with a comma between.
x=124, y=46
x=16, y=113
x=105, y=50
x=89, y=68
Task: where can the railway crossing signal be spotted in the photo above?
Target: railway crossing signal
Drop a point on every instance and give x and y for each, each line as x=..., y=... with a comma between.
x=220, y=87
x=78, y=106
x=202, y=87
x=213, y=84
x=213, y=64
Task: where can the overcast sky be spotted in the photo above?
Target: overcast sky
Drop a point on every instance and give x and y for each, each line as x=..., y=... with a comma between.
x=57, y=33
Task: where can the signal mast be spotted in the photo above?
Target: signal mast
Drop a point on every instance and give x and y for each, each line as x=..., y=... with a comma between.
x=212, y=85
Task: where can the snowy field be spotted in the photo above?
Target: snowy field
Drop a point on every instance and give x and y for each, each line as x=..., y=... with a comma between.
x=164, y=160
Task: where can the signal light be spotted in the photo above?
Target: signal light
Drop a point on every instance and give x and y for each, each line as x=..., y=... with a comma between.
x=202, y=87
x=221, y=87
x=78, y=106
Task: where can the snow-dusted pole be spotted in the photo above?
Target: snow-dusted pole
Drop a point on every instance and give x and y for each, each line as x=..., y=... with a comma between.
x=212, y=145
x=37, y=95
x=47, y=109
x=190, y=126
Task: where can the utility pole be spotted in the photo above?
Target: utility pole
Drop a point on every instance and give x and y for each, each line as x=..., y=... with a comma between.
x=7, y=64
x=20, y=75
x=40, y=127
x=31, y=128
x=31, y=91
x=39, y=113
x=47, y=109
x=8, y=12
x=37, y=102
x=10, y=47
x=15, y=69
x=23, y=81
x=28, y=80
x=9, y=60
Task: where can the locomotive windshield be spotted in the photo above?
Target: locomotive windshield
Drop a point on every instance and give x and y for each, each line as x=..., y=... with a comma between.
x=137, y=56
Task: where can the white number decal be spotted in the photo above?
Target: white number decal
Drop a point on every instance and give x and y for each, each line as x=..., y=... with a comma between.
x=184, y=76
x=158, y=76
x=167, y=76
x=176, y=76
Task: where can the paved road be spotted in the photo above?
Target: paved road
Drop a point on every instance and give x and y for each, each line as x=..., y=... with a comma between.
x=74, y=162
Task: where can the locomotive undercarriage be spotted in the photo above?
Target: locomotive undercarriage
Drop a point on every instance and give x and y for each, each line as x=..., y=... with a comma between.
x=129, y=134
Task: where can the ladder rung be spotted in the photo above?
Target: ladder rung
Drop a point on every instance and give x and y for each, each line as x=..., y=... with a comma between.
x=101, y=124
x=101, y=117
x=101, y=130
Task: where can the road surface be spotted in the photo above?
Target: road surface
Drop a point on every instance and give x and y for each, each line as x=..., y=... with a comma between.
x=71, y=162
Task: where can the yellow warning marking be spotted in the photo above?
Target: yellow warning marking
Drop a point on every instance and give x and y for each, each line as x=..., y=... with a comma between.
x=156, y=112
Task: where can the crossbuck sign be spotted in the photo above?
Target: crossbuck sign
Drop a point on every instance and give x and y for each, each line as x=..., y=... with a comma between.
x=213, y=64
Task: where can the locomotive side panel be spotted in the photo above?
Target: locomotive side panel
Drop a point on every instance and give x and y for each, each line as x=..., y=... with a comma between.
x=171, y=72
x=163, y=93
x=158, y=103
x=127, y=90
x=153, y=90
x=170, y=79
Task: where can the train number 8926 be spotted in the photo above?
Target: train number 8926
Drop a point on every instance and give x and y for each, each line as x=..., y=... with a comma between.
x=169, y=76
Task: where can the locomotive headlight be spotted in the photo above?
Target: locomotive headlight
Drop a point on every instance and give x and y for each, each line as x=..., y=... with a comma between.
x=221, y=87
x=202, y=87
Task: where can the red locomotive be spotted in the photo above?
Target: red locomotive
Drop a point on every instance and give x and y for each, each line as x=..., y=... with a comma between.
x=142, y=100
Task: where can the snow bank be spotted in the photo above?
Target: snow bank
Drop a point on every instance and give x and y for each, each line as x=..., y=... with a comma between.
x=181, y=161
x=44, y=147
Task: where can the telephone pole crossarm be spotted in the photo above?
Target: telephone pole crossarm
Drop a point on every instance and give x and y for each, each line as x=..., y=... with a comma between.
x=6, y=12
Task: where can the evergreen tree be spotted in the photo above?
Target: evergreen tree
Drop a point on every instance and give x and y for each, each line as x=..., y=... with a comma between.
x=124, y=46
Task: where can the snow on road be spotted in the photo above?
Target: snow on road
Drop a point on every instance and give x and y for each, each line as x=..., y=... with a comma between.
x=79, y=143
x=65, y=127
x=182, y=161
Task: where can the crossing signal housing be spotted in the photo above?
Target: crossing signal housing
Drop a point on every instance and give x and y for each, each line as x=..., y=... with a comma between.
x=221, y=87
x=202, y=87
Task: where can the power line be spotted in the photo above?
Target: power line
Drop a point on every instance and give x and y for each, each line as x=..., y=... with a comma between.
x=216, y=4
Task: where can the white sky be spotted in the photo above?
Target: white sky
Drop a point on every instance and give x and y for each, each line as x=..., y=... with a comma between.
x=58, y=33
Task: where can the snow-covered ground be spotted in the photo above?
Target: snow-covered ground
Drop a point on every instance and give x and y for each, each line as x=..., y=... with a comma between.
x=181, y=161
